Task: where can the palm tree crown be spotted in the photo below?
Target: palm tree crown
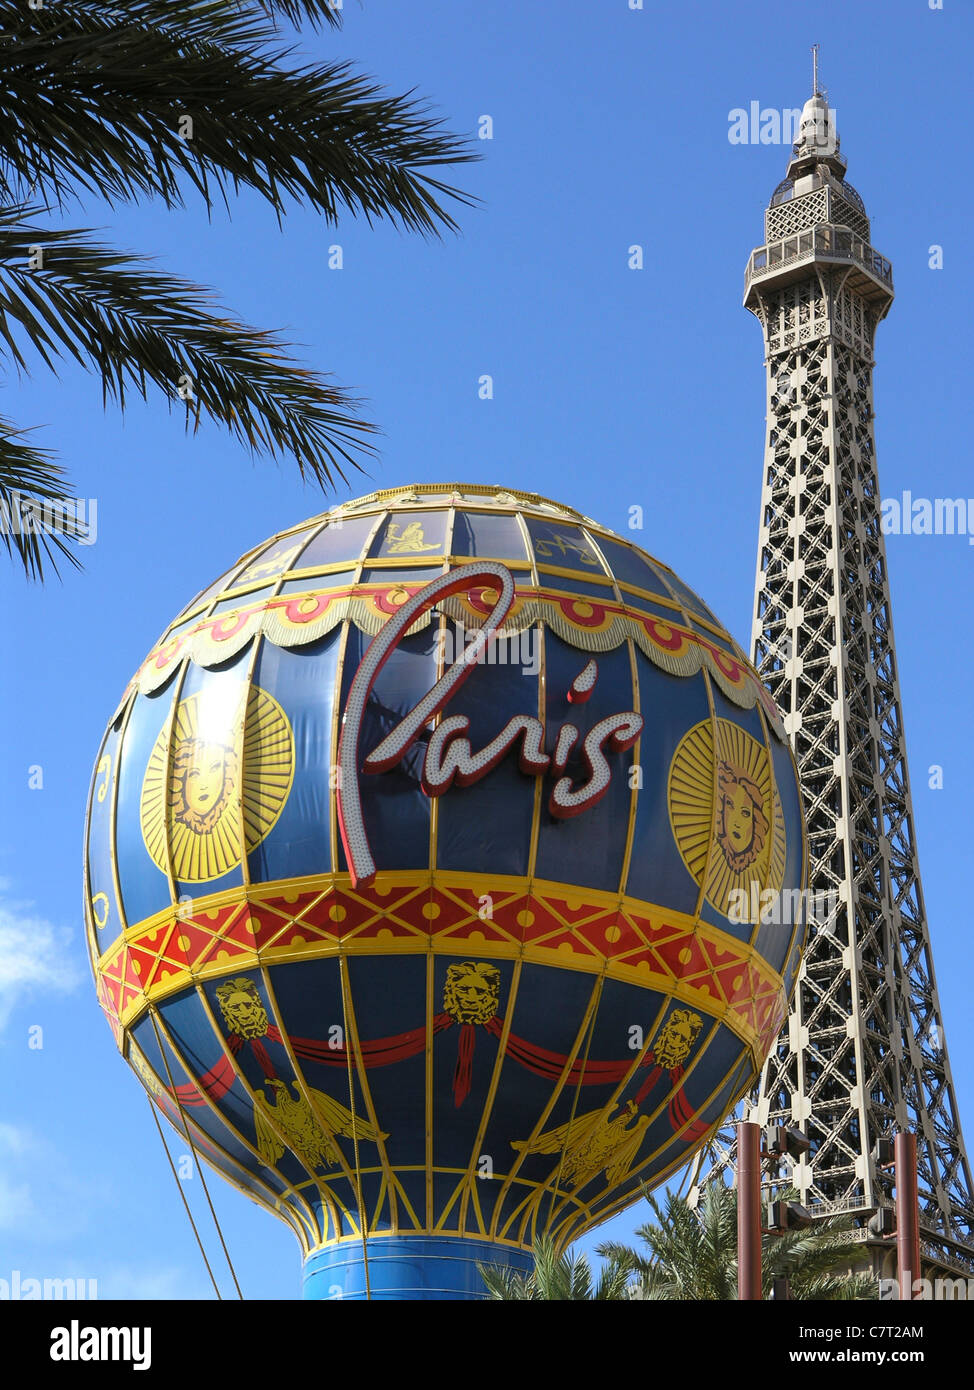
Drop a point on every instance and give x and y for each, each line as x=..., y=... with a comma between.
x=128, y=99
x=556, y=1277
x=693, y=1254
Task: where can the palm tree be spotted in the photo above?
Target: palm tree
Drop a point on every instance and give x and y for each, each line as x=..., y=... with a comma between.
x=128, y=99
x=561, y=1277
x=693, y=1254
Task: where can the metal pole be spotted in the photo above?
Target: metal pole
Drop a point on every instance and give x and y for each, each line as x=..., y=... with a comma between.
x=907, y=1214
x=748, y=1211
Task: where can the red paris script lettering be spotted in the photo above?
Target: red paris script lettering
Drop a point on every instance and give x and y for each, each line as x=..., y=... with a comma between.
x=449, y=757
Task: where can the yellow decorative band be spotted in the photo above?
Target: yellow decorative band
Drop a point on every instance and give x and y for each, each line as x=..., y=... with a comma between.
x=416, y=913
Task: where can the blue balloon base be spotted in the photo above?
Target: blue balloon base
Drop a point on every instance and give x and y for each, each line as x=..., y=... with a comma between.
x=410, y=1267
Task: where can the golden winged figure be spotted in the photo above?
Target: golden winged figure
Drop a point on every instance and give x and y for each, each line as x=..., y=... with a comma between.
x=593, y=1144
x=302, y=1134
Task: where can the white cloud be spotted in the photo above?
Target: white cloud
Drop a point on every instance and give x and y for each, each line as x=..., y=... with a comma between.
x=31, y=1164
x=35, y=956
x=17, y=1209
x=16, y=1203
x=13, y=1140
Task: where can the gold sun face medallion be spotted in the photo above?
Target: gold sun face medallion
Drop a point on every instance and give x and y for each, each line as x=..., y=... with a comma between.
x=726, y=814
x=212, y=785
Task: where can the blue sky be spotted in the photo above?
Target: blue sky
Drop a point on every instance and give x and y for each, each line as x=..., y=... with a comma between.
x=612, y=387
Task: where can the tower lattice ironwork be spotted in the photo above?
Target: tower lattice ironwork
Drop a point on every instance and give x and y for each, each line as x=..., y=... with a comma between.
x=864, y=1052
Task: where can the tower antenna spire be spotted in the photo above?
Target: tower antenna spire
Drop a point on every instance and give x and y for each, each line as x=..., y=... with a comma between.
x=815, y=91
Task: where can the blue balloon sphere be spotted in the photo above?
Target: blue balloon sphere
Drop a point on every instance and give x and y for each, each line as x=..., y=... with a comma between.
x=444, y=875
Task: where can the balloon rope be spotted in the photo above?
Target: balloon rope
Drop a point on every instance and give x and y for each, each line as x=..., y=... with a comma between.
x=346, y=985
x=196, y=1157
x=182, y=1194
x=594, y=1005
x=688, y=1174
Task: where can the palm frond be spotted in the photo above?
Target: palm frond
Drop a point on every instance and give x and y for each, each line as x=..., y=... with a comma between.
x=836, y=1288
x=563, y=1277
x=34, y=525
x=693, y=1253
x=128, y=100
x=625, y=1258
x=614, y=1284
x=507, y=1286
x=316, y=12
x=107, y=309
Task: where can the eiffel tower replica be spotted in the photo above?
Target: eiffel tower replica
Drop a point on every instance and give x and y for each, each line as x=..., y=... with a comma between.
x=863, y=1054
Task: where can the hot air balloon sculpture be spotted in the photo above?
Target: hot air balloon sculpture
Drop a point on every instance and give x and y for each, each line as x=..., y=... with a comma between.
x=443, y=879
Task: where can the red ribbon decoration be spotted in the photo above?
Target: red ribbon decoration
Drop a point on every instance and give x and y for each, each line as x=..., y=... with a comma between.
x=681, y=1111
x=375, y=1052
x=463, y=1074
x=382, y=1052
x=216, y=1082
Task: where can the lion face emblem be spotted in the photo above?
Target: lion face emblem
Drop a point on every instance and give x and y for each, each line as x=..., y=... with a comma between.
x=742, y=825
x=242, y=1010
x=672, y=1044
x=472, y=991
x=204, y=775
